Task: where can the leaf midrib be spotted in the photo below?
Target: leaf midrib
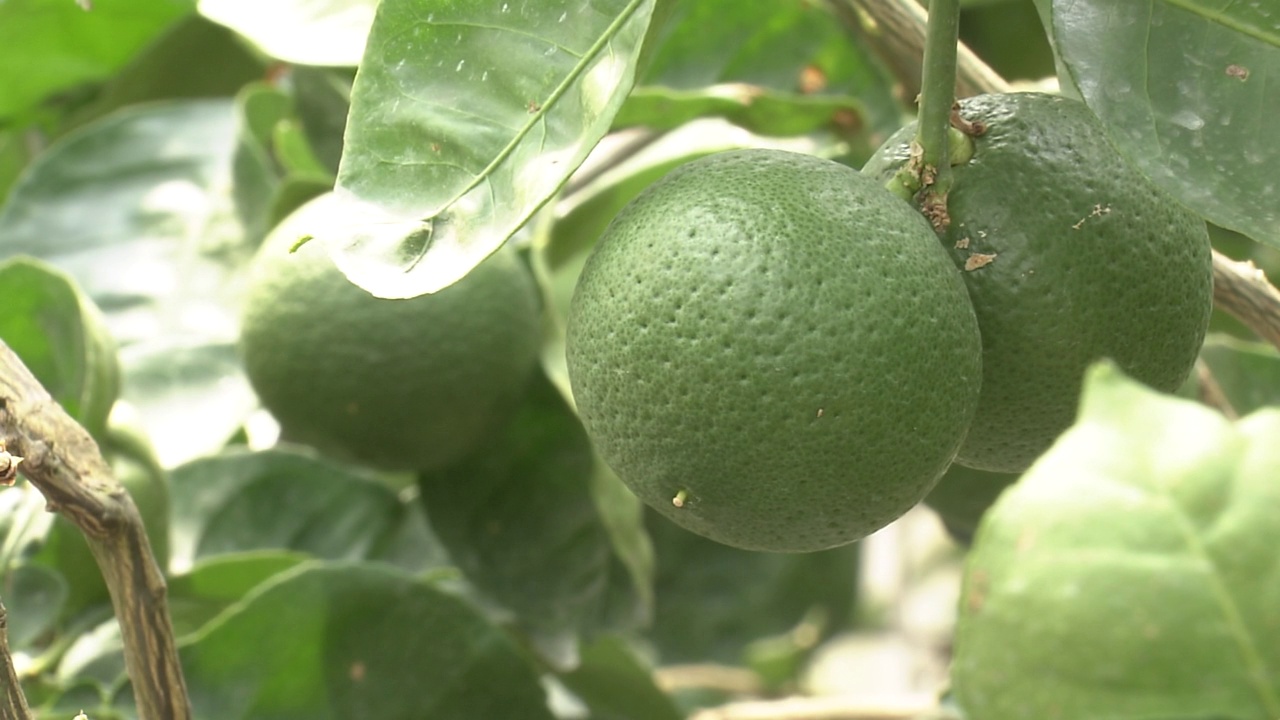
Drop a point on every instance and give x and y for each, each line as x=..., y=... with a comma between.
x=1227, y=21
x=1256, y=666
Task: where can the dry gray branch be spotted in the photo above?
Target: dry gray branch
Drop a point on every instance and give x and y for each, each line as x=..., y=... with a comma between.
x=64, y=463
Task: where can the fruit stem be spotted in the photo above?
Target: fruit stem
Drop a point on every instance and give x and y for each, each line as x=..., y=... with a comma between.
x=937, y=95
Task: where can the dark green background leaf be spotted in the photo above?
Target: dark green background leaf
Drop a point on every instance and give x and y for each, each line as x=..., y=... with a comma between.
x=1132, y=571
x=465, y=119
x=334, y=642
x=712, y=600
x=1186, y=90
x=284, y=500
x=519, y=519
x=1248, y=372
x=616, y=685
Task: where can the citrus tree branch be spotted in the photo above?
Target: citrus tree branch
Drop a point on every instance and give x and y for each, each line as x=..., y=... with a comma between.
x=64, y=463
x=823, y=708
x=1241, y=289
x=13, y=704
x=895, y=29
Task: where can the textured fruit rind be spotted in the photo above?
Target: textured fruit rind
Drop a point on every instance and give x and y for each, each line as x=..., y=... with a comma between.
x=397, y=384
x=780, y=339
x=1074, y=256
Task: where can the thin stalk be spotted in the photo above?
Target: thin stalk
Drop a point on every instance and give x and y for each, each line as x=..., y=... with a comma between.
x=937, y=95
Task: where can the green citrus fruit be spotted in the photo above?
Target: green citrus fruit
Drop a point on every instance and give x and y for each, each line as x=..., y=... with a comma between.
x=1070, y=255
x=773, y=351
x=962, y=497
x=397, y=384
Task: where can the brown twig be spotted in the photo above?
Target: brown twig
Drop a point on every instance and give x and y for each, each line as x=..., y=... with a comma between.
x=1241, y=289
x=895, y=30
x=1211, y=393
x=64, y=463
x=821, y=708
x=13, y=705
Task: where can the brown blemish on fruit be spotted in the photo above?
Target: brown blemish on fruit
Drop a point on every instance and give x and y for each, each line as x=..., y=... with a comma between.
x=978, y=260
x=820, y=411
x=1097, y=211
x=962, y=243
x=972, y=129
x=977, y=595
x=812, y=80
x=1238, y=72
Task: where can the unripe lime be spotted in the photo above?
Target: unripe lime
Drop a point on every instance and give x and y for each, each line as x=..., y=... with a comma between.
x=398, y=384
x=773, y=351
x=1070, y=255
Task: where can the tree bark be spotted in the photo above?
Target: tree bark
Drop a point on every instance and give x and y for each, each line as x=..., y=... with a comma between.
x=64, y=463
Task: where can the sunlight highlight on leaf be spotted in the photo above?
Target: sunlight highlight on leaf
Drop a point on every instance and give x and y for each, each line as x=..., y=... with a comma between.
x=466, y=119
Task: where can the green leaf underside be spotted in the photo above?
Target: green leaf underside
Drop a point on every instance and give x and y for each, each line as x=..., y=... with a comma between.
x=332, y=641
x=1187, y=91
x=1156, y=520
x=465, y=119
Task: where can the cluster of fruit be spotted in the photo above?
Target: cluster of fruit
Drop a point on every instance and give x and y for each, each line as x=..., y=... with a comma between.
x=776, y=352
x=770, y=348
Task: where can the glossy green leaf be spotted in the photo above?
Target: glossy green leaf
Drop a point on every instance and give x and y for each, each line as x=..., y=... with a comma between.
x=617, y=685
x=1132, y=572
x=331, y=642
x=136, y=207
x=218, y=582
x=712, y=600
x=240, y=501
x=465, y=119
x=303, y=32
x=62, y=338
x=1185, y=88
x=48, y=46
x=519, y=519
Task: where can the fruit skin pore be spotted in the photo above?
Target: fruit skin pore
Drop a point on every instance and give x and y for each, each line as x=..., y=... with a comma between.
x=779, y=343
x=397, y=384
x=1072, y=256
